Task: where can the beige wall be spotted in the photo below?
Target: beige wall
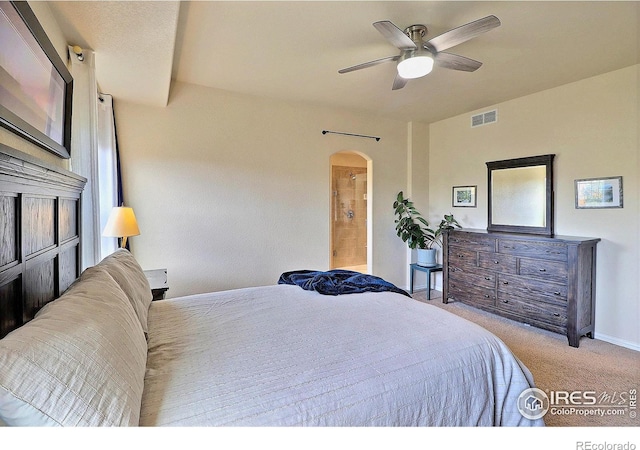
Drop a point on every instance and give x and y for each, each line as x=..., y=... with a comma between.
x=50, y=26
x=231, y=190
x=592, y=127
x=348, y=159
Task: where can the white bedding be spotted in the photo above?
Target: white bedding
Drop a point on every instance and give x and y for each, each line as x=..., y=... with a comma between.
x=279, y=355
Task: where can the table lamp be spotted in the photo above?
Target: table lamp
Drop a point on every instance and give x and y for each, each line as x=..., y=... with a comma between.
x=122, y=224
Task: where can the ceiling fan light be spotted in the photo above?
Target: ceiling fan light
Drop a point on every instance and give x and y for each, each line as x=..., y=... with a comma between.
x=415, y=67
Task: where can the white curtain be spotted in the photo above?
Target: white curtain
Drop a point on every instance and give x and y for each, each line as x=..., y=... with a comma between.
x=107, y=169
x=92, y=156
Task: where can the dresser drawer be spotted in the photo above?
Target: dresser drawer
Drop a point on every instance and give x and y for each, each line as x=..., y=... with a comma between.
x=459, y=255
x=545, y=269
x=532, y=289
x=497, y=262
x=534, y=312
x=475, y=276
x=470, y=241
x=471, y=294
x=544, y=250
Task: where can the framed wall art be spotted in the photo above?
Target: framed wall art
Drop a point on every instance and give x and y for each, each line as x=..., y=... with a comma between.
x=464, y=196
x=599, y=193
x=36, y=88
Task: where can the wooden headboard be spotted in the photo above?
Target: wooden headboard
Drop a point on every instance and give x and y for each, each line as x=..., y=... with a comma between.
x=39, y=235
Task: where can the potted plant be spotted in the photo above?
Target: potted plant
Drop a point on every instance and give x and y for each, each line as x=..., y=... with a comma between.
x=447, y=223
x=414, y=229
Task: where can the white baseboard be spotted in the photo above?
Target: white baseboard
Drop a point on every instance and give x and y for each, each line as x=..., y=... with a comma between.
x=418, y=287
x=423, y=287
x=616, y=341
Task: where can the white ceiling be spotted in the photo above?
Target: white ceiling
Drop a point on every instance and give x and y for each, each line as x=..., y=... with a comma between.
x=293, y=50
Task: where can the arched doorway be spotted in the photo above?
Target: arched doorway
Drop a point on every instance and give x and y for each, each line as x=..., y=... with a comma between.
x=350, y=212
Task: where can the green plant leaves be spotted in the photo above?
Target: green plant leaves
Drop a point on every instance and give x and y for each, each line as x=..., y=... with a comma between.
x=414, y=229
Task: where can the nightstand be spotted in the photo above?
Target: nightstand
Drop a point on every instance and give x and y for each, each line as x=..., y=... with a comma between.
x=158, y=282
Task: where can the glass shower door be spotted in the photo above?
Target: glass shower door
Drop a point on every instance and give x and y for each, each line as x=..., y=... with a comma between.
x=349, y=218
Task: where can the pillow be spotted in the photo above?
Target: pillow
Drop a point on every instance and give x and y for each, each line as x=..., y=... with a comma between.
x=80, y=362
x=123, y=267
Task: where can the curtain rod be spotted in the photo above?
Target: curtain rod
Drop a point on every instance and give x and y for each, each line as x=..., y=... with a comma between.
x=351, y=134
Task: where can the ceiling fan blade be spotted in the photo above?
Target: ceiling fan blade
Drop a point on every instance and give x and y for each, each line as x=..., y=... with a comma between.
x=456, y=62
x=369, y=64
x=394, y=35
x=399, y=83
x=463, y=33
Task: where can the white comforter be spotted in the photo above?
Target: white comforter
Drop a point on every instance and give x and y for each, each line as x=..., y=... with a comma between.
x=282, y=356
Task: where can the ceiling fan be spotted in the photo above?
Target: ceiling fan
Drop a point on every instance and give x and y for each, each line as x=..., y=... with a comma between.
x=416, y=58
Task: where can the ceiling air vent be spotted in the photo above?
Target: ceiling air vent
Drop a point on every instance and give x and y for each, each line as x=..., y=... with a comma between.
x=484, y=118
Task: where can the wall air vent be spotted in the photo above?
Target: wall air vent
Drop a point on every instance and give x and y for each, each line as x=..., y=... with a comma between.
x=484, y=118
x=477, y=120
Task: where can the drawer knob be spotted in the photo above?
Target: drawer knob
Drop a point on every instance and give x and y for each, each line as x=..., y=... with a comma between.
x=556, y=314
x=487, y=278
x=556, y=293
x=542, y=270
x=487, y=295
x=505, y=282
x=496, y=262
x=460, y=256
x=505, y=301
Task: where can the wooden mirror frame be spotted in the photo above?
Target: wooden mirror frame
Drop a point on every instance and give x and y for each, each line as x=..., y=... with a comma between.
x=542, y=160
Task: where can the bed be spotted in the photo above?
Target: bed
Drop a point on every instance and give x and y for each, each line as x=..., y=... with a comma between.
x=97, y=351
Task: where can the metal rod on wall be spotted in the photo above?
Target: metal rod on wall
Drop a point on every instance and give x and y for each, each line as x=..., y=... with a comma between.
x=351, y=134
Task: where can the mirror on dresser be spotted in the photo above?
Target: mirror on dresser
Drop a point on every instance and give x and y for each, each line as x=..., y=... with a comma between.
x=521, y=195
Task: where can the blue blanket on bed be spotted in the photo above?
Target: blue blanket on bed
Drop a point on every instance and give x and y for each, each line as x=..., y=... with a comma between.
x=337, y=282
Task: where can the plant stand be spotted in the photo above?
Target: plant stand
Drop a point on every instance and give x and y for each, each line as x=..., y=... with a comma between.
x=428, y=270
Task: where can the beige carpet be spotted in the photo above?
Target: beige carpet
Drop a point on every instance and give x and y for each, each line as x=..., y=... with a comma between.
x=596, y=366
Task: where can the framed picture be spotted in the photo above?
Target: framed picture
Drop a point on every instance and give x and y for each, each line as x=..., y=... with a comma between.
x=599, y=193
x=464, y=196
x=35, y=86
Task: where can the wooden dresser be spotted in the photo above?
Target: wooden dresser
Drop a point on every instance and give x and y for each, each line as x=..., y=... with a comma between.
x=547, y=282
